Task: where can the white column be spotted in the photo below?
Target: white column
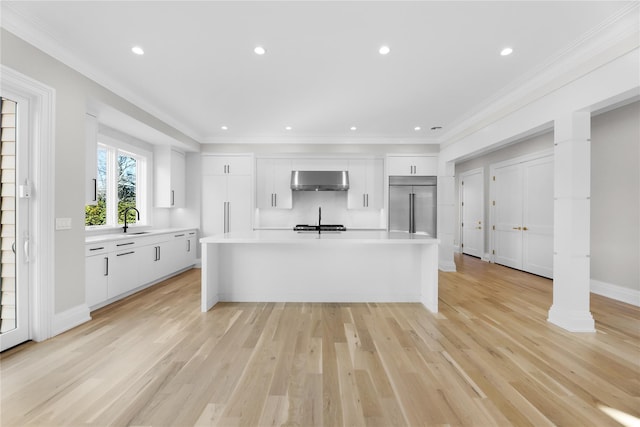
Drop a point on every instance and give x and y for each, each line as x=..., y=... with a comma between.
x=446, y=216
x=571, y=229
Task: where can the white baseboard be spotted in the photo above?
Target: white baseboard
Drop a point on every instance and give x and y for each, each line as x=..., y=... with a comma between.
x=71, y=318
x=447, y=266
x=572, y=320
x=486, y=257
x=618, y=293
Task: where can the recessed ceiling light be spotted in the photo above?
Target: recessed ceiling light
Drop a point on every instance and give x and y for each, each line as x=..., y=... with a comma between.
x=353, y=128
x=224, y=128
x=137, y=50
x=288, y=128
x=506, y=51
x=384, y=50
x=259, y=50
x=417, y=128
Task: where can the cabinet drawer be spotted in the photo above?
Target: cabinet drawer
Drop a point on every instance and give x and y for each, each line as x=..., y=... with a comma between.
x=98, y=248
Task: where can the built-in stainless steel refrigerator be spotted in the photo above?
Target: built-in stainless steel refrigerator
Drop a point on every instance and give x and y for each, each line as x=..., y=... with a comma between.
x=412, y=204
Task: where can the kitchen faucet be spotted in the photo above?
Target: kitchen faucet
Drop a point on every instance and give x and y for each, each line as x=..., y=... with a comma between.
x=126, y=211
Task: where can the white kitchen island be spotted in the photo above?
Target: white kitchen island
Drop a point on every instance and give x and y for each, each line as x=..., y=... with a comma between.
x=288, y=266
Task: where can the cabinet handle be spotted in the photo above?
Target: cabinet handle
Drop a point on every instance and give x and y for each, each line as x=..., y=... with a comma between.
x=106, y=266
x=517, y=228
x=275, y=200
x=173, y=197
x=188, y=245
x=95, y=190
x=364, y=200
x=125, y=244
x=367, y=199
x=228, y=168
x=178, y=235
x=126, y=253
x=226, y=217
x=94, y=249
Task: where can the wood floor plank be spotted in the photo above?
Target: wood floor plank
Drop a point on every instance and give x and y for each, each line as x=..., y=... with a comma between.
x=488, y=358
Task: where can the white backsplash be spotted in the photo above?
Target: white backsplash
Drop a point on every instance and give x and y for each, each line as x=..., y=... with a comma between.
x=334, y=211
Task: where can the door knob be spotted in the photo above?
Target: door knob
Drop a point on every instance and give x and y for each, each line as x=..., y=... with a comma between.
x=525, y=228
x=479, y=228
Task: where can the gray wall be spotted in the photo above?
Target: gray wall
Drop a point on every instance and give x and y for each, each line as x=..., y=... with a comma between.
x=615, y=192
x=73, y=92
x=615, y=197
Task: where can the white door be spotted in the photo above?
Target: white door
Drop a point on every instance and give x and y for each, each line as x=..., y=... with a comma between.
x=523, y=215
x=507, y=218
x=14, y=224
x=472, y=195
x=537, y=220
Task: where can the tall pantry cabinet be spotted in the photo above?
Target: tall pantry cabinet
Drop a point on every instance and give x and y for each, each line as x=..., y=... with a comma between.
x=226, y=193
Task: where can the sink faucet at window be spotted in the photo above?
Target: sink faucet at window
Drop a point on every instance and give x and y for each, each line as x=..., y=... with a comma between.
x=126, y=211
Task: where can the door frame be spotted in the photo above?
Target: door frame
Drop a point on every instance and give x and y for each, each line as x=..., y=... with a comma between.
x=492, y=190
x=41, y=139
x=461, y=177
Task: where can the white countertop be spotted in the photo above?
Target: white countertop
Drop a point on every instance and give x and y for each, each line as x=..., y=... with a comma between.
x=290, y=236
x=132, y=234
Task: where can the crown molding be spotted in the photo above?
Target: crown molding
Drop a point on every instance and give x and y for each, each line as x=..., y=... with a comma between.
x=33, y=32
x=613, y=38
x=319, y=140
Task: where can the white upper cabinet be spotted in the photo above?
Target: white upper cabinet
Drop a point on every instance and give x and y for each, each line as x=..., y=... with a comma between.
x=170, y=168
x=273, y=183
x=366, y=184
x=91, y=160
x=227, y=165
x=412, y=165
x=320, y=164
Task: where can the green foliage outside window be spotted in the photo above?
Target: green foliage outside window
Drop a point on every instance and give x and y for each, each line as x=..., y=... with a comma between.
x=126, y=170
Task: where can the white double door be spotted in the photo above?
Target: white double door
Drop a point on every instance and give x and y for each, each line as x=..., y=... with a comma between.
x=522, y=214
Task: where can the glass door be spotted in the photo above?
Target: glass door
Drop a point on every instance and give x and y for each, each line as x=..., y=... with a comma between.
x=14, y=219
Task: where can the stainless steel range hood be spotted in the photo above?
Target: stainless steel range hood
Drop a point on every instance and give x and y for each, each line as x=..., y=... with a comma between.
x=319, y=180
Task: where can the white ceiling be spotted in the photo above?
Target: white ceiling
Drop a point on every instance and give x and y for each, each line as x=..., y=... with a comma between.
x=322, y=72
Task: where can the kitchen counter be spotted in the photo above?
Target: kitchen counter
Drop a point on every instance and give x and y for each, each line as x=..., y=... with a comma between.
x=313, y=237
x=351, y=266
x=131, y=234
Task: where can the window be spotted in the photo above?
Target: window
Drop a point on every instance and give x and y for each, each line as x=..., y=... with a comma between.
x=121, y=185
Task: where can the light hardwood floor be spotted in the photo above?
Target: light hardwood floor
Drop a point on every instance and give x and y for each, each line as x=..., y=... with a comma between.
x=489, y=358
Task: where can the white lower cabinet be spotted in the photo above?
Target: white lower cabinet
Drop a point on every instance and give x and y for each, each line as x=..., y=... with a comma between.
x=114, y=270
x=96, y=279
x=123, y=272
